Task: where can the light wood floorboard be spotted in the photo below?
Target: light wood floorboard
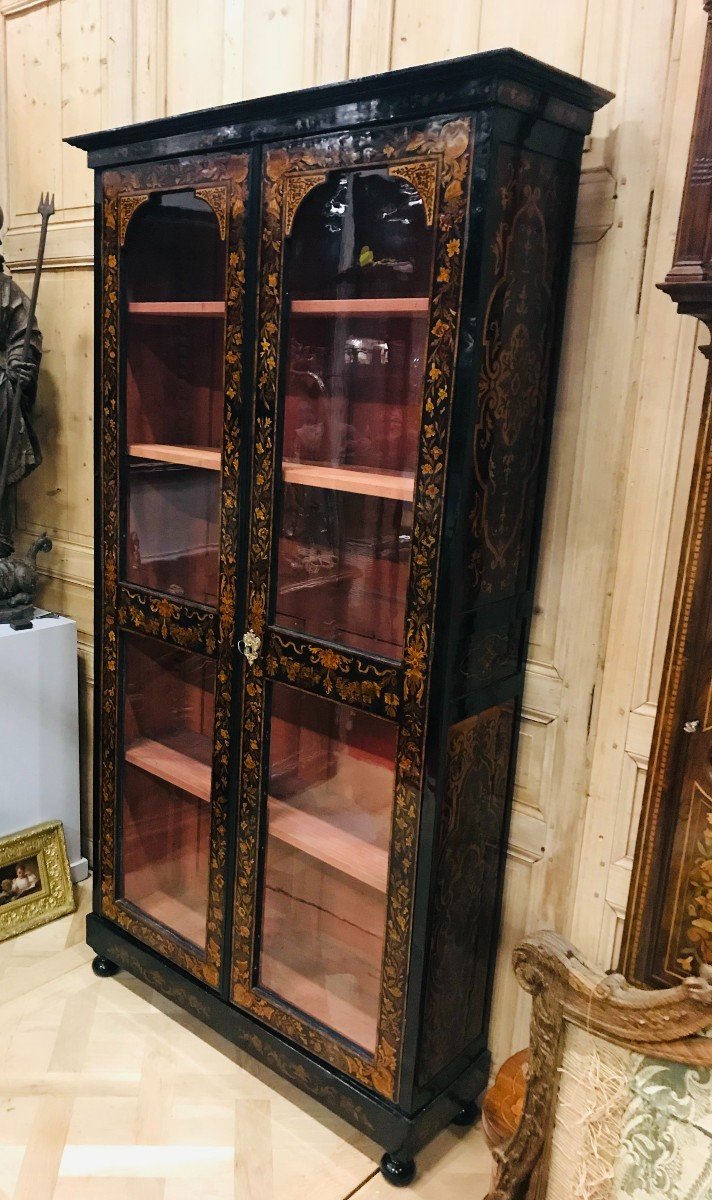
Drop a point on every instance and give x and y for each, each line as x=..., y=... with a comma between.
x=109, y=1092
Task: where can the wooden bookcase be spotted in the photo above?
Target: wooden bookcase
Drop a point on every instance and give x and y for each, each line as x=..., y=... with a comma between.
x=328, y=328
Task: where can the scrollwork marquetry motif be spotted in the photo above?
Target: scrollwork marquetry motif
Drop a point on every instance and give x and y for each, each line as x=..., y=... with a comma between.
x=448, y=143
x=158, y=616
x=296, y=188
x=344, y=677
x=668, y=1025
x=127, y=207
x=513, y=389
x=466, y=883
x=214, y=634
x=216, y=197
x=423, y=177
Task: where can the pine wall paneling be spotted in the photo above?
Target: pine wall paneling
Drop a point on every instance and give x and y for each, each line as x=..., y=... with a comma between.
x=631, y=381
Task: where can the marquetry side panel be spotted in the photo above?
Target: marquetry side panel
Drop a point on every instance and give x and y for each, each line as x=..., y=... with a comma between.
x=467, y=874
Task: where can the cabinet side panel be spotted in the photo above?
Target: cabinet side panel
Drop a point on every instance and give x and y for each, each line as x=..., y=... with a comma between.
x=526, y=256
x=467, y=871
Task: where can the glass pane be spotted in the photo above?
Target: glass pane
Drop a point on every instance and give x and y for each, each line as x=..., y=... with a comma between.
x=169, y=707
x=358, y=281
x=173, y=273
x=331, y=779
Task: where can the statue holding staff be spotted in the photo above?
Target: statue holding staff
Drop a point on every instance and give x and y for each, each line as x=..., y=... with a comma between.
x=20, y=354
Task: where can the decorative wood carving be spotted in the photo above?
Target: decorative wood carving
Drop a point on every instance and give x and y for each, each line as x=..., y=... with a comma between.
x=668, y=931
x=666, y=1024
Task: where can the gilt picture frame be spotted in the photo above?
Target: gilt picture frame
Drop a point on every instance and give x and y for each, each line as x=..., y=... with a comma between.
x=35, y=883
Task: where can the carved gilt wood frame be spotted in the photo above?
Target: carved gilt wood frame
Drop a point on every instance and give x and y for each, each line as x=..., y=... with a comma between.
x=564, y=988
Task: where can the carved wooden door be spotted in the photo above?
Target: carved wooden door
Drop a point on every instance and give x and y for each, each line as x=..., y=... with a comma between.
x=173, y=298
x=362, y=245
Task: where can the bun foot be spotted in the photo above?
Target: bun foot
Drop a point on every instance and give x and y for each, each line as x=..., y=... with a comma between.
x=467, y=1115
x=399, y=1172
x=103, y=967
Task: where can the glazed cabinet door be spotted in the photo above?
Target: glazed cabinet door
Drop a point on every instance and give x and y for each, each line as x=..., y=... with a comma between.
x=361, y=251
x=173, y=297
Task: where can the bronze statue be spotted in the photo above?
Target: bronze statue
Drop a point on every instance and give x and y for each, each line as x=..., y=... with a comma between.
x=16, y=368
x=20, y=354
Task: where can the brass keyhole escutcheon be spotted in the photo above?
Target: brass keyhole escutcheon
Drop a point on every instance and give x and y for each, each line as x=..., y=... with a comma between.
x=249, y=645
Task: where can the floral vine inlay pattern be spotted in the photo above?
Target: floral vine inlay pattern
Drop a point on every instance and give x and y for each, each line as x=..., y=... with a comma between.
x=400, y=691
x=182, y=624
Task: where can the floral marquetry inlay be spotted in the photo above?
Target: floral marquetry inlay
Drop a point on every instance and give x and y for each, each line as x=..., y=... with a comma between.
x=127, y=208
x=216, y=197
x=222, y=178
x=423, y=176
x=438, y=156
x=296, y=188
x=344, y=677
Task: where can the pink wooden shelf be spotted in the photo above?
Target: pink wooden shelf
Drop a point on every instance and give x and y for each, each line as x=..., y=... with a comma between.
x=177, y=308
x=386, y=306
x=186, y=456
x=180, y=761
x=316, y=999
x=387, y=484
x=329, y=844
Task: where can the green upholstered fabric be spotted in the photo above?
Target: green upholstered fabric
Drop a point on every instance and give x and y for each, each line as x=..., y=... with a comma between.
x=666, y=1139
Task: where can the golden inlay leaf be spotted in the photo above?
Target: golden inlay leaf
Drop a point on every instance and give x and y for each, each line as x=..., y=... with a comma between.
x=296, y=188
x=423, y=176
x=216, y=197
x=127, y=208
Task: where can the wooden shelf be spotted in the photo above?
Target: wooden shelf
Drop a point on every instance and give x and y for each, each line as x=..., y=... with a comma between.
x=316, y=999
x=403, y=306
x=186, y=456
x=175, y=915
x=323, y=965
x=329, y=844
x=180, y=761
x=177, y=308
x=388, y=485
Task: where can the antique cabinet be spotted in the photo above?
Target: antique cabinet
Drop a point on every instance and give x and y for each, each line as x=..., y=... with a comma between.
x=668, y=930
x=327, y=340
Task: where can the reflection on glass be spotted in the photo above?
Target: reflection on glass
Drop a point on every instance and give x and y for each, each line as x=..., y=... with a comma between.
x=358, y=278
x=331, y=778
x=168, y=736
x=173, y=274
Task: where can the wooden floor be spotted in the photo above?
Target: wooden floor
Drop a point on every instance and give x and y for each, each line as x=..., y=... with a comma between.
x=109, y=1092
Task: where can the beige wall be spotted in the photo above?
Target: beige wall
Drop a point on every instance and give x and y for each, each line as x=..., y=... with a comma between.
x=631, y=382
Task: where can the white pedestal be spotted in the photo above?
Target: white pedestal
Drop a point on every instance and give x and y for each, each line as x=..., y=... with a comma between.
x=39, y=731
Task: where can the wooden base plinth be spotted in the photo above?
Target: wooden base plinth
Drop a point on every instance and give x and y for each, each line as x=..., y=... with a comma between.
x=399, y=1134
